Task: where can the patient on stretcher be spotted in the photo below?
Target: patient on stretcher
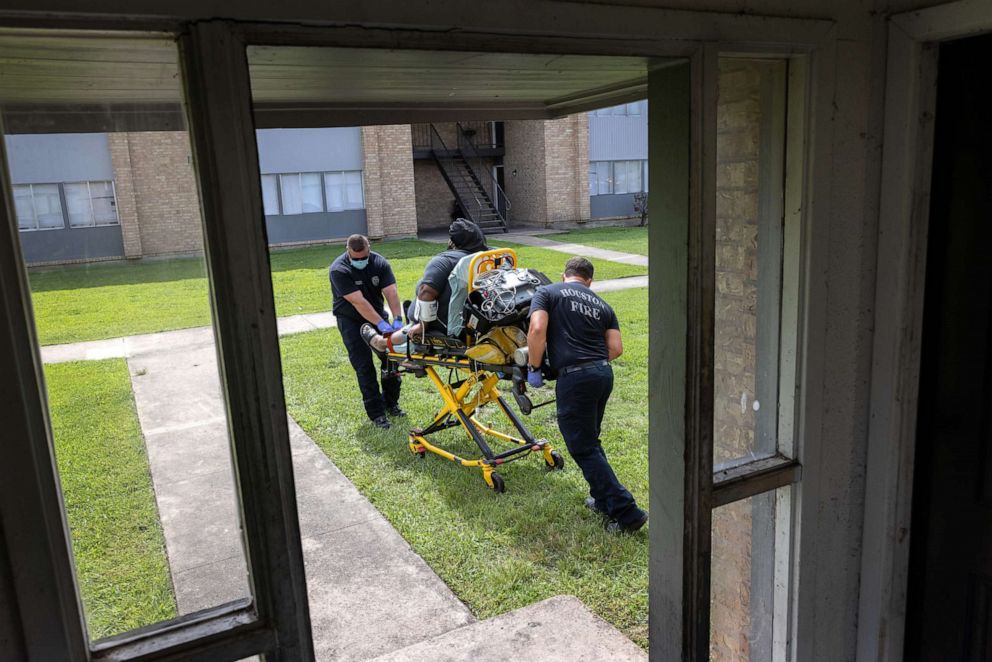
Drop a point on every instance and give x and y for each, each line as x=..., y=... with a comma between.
x=486, y=300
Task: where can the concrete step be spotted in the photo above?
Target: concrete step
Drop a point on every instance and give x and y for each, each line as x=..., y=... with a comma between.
x=559, y=629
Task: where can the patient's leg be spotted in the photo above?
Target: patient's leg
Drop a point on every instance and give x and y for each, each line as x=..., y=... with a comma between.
x=378, y=342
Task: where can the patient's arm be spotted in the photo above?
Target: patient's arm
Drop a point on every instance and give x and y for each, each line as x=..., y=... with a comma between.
x=427, y=293
x=424, y=293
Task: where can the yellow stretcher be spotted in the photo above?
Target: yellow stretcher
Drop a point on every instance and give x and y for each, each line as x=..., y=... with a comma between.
x=472, y=385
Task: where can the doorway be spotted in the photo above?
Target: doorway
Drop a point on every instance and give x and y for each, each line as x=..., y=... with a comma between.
x=950, y=572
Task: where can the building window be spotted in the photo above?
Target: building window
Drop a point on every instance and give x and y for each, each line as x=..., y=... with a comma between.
x=623, y=110
x=38, y=207
x=304, y=192
x=344, y=190
x=90, y=204
x=301, y=193
x=270, y=195
x=617, y=177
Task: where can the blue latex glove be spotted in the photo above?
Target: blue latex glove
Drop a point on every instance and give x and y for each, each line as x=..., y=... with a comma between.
x=534, y=378
x=383, y=327
x=397, y=324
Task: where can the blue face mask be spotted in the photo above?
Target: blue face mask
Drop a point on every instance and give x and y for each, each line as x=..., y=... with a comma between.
x=360, y=263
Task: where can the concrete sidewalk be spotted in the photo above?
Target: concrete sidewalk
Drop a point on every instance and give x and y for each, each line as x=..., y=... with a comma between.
x=577, y=249
x=559, y=629
x=362, y=576
x=370, y=594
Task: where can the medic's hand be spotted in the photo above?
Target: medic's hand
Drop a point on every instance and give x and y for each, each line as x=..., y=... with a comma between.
x=397, y=324
x=534, y=378
x=383, y=327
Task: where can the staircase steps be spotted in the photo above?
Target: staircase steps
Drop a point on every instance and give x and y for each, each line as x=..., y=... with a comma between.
x=468, y=189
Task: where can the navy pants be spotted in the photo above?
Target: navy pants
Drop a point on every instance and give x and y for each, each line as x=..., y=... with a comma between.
x=582, y=397
x=363, y=361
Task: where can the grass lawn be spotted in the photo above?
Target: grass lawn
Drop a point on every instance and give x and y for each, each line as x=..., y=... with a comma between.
x=94, y=301
x=117, y=540
x=626, y=240
x=497, y=552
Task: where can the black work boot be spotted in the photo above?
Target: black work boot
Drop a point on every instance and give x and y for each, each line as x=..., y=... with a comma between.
x=594, y=507
x=617, y=528
x=394, y=410
x=382, y=422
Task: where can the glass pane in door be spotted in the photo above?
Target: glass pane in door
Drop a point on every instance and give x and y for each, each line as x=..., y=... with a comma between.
x=94, y=131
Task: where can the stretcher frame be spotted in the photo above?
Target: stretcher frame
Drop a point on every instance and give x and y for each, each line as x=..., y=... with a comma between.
x=464, y=397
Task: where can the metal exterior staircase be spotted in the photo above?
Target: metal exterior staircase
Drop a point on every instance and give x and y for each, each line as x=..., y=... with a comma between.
x=459, y=167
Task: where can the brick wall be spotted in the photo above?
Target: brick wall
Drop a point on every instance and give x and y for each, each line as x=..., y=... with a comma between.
x=157, y=194
x=390, y=194
x=523, y=167
x=434, y=198
x=551, y=160
x=567, y=169
x=127, y=206
x=738, y=141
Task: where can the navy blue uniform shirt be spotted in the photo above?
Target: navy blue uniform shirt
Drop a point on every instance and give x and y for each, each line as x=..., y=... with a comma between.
x=370, y=281
x=577, y=323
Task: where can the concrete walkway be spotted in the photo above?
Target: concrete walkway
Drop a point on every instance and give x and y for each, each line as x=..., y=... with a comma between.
x=576, y=249
x=559, y=629
x=362, y=577
x=370, y=594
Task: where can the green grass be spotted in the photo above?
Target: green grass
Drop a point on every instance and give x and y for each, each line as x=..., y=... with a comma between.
x=117, y=540
x=626, y=240
x=108, y=300
x=496, y=552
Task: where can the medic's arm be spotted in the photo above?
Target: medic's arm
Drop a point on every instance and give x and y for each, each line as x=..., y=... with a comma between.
x=537, y=337
x=614, y=343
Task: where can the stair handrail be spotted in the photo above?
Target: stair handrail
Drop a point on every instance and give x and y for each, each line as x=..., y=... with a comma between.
x=447, y=154
x=497, y=189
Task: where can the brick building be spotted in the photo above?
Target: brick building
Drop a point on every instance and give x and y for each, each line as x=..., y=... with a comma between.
x=98, y=196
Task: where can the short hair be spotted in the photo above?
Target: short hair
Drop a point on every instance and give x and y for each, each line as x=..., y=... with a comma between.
x=358, y=242
x=579, y=266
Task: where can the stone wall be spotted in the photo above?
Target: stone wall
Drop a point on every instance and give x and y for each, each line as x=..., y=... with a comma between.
x=390, y=194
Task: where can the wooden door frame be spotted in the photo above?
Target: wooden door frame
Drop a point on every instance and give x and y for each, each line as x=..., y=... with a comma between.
x=907, y=159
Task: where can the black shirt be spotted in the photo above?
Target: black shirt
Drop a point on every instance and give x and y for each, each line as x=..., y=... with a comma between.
x=577, y=323
x=371, y=280
x=436, y=277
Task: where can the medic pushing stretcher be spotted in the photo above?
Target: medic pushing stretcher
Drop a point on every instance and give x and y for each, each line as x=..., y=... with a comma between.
x=484, y=341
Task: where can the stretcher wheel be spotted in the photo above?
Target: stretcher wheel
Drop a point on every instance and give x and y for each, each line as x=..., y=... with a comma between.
x=417, y=449
x=499, y=487
x=558, y=462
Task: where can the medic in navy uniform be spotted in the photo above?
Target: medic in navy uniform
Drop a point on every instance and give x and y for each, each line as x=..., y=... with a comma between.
x=359, y=280
x=582, y=335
